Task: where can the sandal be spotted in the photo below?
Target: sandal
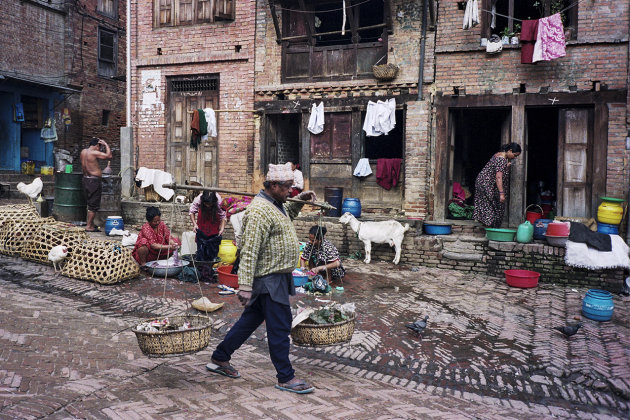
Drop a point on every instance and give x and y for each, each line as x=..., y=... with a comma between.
x=228, y=370
x=300, y=387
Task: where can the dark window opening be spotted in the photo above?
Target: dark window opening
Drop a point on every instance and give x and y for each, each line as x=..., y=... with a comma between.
x=287, y=144
x=107, y=7
x=105, y=117
x=542, y=157
x=388, y=146
x=107, y=51
x=195, y=85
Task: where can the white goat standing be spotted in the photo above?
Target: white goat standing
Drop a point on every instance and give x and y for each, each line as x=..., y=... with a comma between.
x=387, y=232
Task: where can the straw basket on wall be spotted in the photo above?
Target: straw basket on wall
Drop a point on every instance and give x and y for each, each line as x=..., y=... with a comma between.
x=385, y=72
x=17, y=212
x=48, y=236
x=15, y=234
x=323, y=334
x=176, y=343
x=104, y=262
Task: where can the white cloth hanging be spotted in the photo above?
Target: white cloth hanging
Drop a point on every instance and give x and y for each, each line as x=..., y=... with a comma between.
x=211, y=119
x=471, y=15
x=380, y=117
x=343, y=24
x=362, y=168
x=157, y=178
x=316, y=120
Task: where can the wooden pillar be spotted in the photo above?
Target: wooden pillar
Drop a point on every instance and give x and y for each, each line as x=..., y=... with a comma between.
x=518, y=186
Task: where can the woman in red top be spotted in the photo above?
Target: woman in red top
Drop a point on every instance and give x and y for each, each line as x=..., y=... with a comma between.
x=209, y=222
x=154, y=240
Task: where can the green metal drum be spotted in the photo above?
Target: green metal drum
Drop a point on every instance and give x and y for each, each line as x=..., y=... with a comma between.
x=70, y=204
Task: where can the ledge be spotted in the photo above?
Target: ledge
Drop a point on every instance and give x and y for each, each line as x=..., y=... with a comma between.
x=192, y=58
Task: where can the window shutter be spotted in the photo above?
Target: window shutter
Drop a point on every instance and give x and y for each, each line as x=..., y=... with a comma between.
x=204, y=11
x=224, y=9
x=164, y=12
x=185, y=12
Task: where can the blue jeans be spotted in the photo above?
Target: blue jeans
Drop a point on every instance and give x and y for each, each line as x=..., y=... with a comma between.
x=278, y=318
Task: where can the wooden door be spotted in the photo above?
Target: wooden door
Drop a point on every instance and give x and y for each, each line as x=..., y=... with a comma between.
x=575, y=162
x=185, y=163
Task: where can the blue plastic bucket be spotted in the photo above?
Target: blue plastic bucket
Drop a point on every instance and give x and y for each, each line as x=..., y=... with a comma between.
x=598, y=305
x=351, y=205
x=540, y=228
x=607, y=228
x=114, y=222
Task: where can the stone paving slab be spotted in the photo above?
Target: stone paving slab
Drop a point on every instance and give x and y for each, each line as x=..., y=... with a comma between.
x=486, y=343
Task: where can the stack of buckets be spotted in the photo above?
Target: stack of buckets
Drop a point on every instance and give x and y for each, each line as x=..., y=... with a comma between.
x=609, y=215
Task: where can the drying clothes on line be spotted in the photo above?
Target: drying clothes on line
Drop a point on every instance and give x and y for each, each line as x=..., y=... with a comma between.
x=49, y=132
x=387, y=172
x=363, y=168
x=380, y=117
x=471, y=15
x=493, y=22
x=211, y=124
x=580, y=255
x=529, y=32
x=157, y=178
x=316, y=120
x=195, y=133
x=550, y=41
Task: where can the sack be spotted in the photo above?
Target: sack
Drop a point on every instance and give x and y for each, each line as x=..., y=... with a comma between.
x=319, y=284
x=494, y=45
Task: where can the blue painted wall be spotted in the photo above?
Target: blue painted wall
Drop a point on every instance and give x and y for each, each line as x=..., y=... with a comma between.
x=9, y=134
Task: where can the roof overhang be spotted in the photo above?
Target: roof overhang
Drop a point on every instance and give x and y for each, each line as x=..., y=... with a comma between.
x=35, y=82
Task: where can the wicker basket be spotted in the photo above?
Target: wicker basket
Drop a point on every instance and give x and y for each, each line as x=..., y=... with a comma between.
x=387, y=71
x=176, y=343
x=17, y=212
x=151, y=195
x=15, y=234
x=104, y=262
x=323, y=334
x=37, y=247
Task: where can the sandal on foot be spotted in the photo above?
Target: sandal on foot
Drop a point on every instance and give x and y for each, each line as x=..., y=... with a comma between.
x=300, y=387
x=228, y=371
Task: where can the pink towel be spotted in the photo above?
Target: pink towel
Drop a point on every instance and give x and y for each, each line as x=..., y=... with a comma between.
x=550, y=40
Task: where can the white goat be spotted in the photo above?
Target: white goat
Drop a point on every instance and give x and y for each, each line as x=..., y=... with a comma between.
x=387, y=232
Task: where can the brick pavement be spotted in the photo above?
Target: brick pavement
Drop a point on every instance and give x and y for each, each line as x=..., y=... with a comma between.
x=489, y=352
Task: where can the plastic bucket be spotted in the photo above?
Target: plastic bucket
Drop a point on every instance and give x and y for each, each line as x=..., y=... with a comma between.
x=521, y=278
x=610, y=211
x=598, y=305
x=227, y=251
x=114, y=222
x=607, y=228
x=334, y=196
x=226, y=278
x=540, y=228
x=351, y=205
x=532, y=216
x=69, y=204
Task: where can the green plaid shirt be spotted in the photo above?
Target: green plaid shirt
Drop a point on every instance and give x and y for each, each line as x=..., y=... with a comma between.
x=270, y=243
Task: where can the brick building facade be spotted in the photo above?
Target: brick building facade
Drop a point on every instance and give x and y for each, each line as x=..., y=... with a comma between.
x=58, y=56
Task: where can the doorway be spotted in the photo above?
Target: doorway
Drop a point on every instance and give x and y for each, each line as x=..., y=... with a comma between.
x=283, y=139
x=542, y=159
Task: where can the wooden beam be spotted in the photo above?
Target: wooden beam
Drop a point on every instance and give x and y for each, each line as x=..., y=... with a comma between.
x=309, y=23
x=432, y=15
x=274, y=17
x=355, y=33
x=518, y=188
x=293, y=38
x=388, y=16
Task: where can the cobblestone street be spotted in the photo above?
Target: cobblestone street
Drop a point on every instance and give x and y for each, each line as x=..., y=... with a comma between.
x=489, y=352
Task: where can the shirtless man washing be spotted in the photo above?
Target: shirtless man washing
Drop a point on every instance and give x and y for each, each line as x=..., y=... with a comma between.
x=92, y=185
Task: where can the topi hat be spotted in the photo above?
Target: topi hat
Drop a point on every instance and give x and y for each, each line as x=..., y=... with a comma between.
x=280, y=173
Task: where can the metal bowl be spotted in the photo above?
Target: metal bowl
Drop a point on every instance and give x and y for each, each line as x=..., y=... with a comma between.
x=157, y=270
x=190, y=257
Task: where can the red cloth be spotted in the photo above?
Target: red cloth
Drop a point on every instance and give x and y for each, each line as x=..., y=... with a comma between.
x=295, y=191
x=387, y=172
x=206, y=225
x=529, y=32
x=148, y=236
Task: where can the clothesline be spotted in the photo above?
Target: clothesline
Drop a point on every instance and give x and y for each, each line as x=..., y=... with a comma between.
x=229, y=110
x=520, y=20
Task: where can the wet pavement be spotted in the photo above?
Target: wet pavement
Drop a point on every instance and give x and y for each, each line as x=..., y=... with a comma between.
x=489, y=351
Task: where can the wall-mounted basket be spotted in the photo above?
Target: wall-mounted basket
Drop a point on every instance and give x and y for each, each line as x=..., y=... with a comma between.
x=385, y=72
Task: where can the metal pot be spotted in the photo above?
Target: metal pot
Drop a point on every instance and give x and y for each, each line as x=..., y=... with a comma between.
x=157, y=270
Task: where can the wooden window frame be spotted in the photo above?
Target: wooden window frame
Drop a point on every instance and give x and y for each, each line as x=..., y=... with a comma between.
x=101, y=11
x=221, y=11
x=102, y=61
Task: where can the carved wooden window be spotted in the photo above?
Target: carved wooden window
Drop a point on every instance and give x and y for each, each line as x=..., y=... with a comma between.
x=191, y=12
x=521, y=10
x=317, y=45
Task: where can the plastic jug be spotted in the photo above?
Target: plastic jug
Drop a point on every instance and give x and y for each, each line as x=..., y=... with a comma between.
x=525, y=232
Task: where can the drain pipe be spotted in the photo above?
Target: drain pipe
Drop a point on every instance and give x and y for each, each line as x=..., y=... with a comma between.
x=423, y=42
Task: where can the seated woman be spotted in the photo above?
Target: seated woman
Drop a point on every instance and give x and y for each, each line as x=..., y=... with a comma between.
x=208, y=224
x=154, y=240
x=321, y=256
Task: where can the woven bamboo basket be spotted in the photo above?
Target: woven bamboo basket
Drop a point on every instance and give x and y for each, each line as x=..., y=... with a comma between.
x=176, y=343
x=48, y=236
x=104, y=262
x=150, y=194
x=323, y=334
x=387, y=71
x=16, y=233
x=17, y=212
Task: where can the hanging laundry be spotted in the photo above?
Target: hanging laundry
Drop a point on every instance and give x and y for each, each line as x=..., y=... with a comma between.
x=550, y=43
x=203, y=124
x=18, y=112
x=493, y=22
x=529, y=32
x=380, y=117
x=343, y=23
x=387, y=172
x=195, y=136
x=49, y=132
x=471, y=15
x=362, y=168
x=211, y=121
x=316, y=120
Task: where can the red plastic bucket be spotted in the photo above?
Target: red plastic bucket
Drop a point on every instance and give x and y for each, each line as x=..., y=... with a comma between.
x=522, y=278
x=226, y=278
x=532, y=216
